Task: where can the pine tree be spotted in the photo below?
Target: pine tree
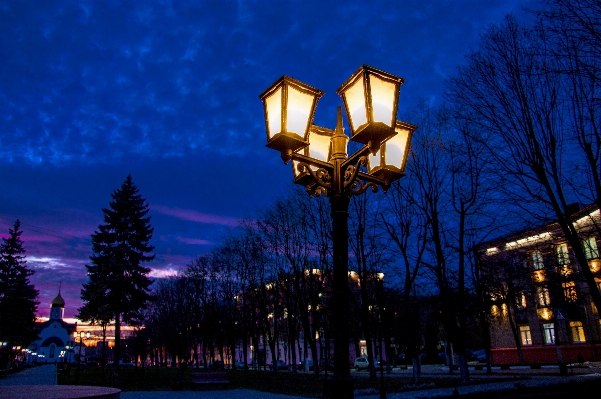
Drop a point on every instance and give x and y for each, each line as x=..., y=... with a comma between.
x=118, y=283
x=18, y=297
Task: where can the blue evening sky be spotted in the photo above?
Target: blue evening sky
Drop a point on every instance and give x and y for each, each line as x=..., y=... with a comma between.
x=167, y=91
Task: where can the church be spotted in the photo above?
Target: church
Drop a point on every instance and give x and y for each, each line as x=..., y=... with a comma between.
x=54, y=335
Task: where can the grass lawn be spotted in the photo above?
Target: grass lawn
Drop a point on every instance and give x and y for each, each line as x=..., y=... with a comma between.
x=301, y=384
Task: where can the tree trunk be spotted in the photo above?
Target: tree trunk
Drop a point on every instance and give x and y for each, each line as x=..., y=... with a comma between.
x=117, y=356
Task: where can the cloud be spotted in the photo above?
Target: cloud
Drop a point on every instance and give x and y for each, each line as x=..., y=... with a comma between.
x=194, y=241
x=194, y=216
x=162, y=273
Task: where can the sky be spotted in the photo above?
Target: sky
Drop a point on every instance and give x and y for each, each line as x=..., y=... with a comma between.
x=167, y=91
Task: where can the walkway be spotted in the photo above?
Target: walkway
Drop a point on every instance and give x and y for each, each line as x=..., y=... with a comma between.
x=39, y=375
x=222, y=394
x=522, y=378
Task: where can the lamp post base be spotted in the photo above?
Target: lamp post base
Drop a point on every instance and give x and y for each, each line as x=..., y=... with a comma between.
x=340, y=388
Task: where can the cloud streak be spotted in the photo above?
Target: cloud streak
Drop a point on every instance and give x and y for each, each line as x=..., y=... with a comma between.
x=194, y=216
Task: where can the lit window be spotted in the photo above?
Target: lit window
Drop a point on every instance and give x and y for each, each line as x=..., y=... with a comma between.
x=537, y=261
x=525, y=334
x=569, y=291
x=562, y=254
x=577, y=332
x=544, y=297
x=549, y=333
x=521, y=300
x=590, y=248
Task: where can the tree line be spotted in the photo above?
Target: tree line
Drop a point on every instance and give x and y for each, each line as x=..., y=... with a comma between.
x=516, y=143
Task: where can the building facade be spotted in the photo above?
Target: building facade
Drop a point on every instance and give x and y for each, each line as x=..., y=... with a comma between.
x=538, y=303
x=55, y=336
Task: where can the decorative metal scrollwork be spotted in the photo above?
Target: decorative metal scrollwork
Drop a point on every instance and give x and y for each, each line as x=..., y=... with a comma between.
x=350, y=174
x=319, y=178
x=358, y=187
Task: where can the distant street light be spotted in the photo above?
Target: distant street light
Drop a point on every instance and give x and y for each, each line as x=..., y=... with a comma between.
x=80, y=334
x=320, y=162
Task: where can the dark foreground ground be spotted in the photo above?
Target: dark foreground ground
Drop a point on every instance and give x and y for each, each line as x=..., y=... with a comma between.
x=158, y=382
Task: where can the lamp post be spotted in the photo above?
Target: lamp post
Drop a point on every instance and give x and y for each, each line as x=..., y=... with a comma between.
x=80, y=334
x=320, y=162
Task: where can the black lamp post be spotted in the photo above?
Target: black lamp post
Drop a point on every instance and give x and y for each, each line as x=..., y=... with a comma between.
x=81, y=334
x=320, y=163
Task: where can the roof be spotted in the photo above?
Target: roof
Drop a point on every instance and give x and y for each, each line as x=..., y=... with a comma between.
x=58, y=302
x=67, y=326
x=550, y=230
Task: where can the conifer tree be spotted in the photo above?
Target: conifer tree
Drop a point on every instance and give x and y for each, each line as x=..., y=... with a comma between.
x=18, y=297
x=118, y=283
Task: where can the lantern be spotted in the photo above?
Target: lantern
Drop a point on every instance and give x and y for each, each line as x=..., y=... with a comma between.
x=289, y=109
x=371, y=97
x=389, y=162
x=319, y=148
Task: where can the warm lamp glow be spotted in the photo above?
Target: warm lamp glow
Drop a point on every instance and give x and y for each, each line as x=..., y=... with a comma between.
x=289, y=107
x=495, y=311
x=565, y=270
x=355, y=100
x=545, y=314
x=538, y=276
x=382, y=99
x=595, y=265
x=319, y=148
x=371, y=97
x=389, y=162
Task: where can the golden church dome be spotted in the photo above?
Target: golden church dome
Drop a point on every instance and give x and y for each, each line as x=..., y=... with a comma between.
x=58, y=302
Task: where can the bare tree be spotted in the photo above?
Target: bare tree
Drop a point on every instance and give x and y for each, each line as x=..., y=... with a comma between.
x=407, y=229
x=509, y=90
x=367, y=248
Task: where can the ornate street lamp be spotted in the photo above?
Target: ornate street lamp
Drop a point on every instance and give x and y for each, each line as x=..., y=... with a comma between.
x=321, y=164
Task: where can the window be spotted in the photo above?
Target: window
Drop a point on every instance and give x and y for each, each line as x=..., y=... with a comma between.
x=544, y=297
x=537, y=261
x=577, y=332
x=549, y=333
x=590, y=248
x=521, y=300
x=569, y=291
x=562, y=254
x=525, y=334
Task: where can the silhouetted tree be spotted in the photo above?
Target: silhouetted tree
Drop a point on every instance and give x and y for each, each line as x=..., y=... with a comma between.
x=116, y=275
x=18, y=297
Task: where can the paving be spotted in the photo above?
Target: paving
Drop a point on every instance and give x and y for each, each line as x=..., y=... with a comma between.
x=39, y=375
x=481, y=384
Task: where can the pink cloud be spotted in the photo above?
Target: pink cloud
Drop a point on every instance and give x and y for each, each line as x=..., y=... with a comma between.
x=193, y=216
x=162, y=273
x=194, y=241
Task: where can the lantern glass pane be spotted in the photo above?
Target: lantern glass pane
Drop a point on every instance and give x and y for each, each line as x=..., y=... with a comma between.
x=295, y=169
x=273, y=105
x=355, y=99
x=299, y=111
x=395, y=148
x=319, y=146
x=382, y=99
x=374, y=160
